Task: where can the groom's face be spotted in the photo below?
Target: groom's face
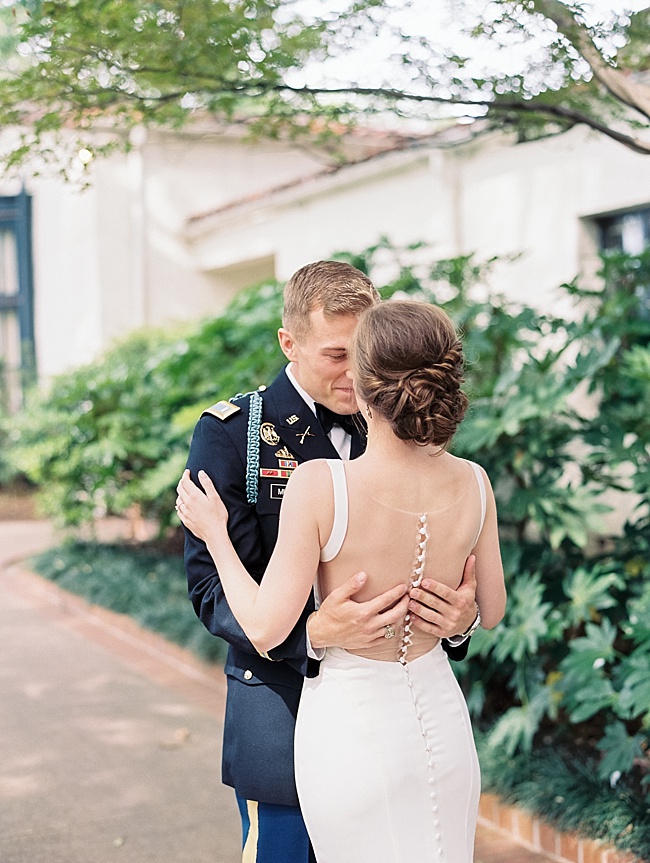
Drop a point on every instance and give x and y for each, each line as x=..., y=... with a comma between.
x=320, y=359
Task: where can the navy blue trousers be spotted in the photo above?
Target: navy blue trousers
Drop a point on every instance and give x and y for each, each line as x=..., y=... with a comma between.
x=273, y=834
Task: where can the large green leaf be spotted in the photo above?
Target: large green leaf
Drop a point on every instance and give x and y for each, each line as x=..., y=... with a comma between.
x=590, y=591
x=526, y=621
x=620, y=750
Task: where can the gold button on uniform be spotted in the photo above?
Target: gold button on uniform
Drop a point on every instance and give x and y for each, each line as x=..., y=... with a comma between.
x=248, y=674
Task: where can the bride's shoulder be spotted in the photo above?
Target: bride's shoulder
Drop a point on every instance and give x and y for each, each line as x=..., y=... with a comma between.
x=313, y=465
x=310, y=472
x=309, y=484
x=477, y=472
x=463, y=463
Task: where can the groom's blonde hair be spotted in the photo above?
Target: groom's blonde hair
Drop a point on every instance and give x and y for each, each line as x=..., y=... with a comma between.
x=333, y=286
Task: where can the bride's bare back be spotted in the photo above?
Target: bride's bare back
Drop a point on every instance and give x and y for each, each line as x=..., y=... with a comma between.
x=384, y=509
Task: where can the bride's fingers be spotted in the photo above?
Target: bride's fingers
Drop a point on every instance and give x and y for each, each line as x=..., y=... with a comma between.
x=206, y=482
x=188, y=491
x=186, y=485
x=184, y=477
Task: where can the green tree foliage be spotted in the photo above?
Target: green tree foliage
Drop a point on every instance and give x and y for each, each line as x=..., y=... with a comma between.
x=108, y=65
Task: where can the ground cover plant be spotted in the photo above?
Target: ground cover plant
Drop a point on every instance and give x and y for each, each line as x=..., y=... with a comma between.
x=145, y=583
x=559, y=418
x=562, y=788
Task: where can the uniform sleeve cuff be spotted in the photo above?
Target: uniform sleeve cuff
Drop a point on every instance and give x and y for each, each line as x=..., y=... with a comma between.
x=317, y=653
x=457, y=640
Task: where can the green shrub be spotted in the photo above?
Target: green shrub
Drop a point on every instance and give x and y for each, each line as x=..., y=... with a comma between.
x=113, y=436
x=8, y=471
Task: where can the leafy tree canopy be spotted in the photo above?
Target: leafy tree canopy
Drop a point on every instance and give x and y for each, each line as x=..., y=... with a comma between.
x=278, y=65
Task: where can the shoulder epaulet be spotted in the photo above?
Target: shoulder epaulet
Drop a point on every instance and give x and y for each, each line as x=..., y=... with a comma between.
x=222, y=410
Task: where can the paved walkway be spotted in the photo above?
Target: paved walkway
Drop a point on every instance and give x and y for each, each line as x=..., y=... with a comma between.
x=110, y=736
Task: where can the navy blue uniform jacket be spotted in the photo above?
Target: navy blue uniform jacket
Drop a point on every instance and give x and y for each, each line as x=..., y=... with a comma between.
x=263, y=694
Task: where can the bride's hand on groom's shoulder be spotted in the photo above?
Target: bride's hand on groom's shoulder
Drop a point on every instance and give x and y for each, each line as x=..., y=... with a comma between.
x=200, y=509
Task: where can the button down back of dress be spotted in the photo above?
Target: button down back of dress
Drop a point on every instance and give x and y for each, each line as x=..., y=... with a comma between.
x=416, y=580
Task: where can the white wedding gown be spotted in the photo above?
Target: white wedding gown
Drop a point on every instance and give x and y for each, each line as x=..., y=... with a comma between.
x=386, y=766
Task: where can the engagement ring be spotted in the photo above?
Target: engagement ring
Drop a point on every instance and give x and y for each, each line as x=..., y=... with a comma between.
x=389, y=631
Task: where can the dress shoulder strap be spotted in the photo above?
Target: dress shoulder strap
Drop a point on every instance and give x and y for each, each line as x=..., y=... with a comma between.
x=481, y=487
x=340, y=525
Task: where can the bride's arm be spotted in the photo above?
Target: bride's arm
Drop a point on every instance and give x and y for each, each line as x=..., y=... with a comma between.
x=490, y=586
x=266, y=612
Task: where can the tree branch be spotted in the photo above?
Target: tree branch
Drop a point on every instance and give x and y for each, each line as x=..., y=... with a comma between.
x=256, y=89
x=556, y=112
x=618, y=83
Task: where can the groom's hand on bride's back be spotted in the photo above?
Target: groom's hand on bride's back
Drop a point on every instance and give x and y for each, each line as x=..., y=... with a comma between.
x=342, y=621
x=440, y=610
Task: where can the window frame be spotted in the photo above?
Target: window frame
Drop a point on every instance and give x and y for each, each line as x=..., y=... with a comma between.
x=16, y=215
x=606, y=222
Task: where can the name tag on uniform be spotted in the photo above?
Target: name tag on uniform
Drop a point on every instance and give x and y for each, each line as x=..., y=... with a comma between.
x=277, y=490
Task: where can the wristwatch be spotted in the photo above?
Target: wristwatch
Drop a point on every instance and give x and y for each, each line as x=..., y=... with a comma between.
x=475, y=625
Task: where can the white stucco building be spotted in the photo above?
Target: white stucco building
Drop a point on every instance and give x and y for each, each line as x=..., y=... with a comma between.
x=172, y=229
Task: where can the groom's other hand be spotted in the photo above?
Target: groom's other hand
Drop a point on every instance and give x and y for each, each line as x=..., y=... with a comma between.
x=342, y=621
x=440, y=610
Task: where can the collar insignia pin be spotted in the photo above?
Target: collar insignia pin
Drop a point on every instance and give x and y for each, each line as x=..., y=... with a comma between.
x=303, y=435
x=292, y=419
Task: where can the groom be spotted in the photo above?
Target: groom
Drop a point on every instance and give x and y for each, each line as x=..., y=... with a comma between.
x=249, y=446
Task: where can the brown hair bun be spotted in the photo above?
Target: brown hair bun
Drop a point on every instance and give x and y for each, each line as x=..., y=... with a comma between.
x=408, y=366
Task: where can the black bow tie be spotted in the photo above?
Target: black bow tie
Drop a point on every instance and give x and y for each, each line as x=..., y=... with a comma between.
x=328, y=418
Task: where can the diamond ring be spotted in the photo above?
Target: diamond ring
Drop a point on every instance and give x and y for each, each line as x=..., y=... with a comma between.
x=389, y=631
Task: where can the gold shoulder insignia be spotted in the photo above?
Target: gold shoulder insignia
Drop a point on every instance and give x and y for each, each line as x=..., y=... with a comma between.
x=222, y=410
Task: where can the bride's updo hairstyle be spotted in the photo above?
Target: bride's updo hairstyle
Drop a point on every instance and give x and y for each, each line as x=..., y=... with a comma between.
x=407, y=363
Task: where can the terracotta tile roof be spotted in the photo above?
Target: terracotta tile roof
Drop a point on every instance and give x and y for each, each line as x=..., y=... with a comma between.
x=361, y=146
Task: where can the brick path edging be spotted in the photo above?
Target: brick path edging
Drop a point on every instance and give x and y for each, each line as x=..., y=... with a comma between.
x=537, y=835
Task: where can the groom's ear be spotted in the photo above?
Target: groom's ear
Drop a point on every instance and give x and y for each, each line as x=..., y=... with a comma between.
x=287, y=344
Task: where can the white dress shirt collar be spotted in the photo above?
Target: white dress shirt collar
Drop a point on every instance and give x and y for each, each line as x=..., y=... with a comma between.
x=340, y=439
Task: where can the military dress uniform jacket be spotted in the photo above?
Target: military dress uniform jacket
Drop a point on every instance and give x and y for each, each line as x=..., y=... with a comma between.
x=263, y=693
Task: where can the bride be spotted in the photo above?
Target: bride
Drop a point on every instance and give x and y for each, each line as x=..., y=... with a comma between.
x=386, y=765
